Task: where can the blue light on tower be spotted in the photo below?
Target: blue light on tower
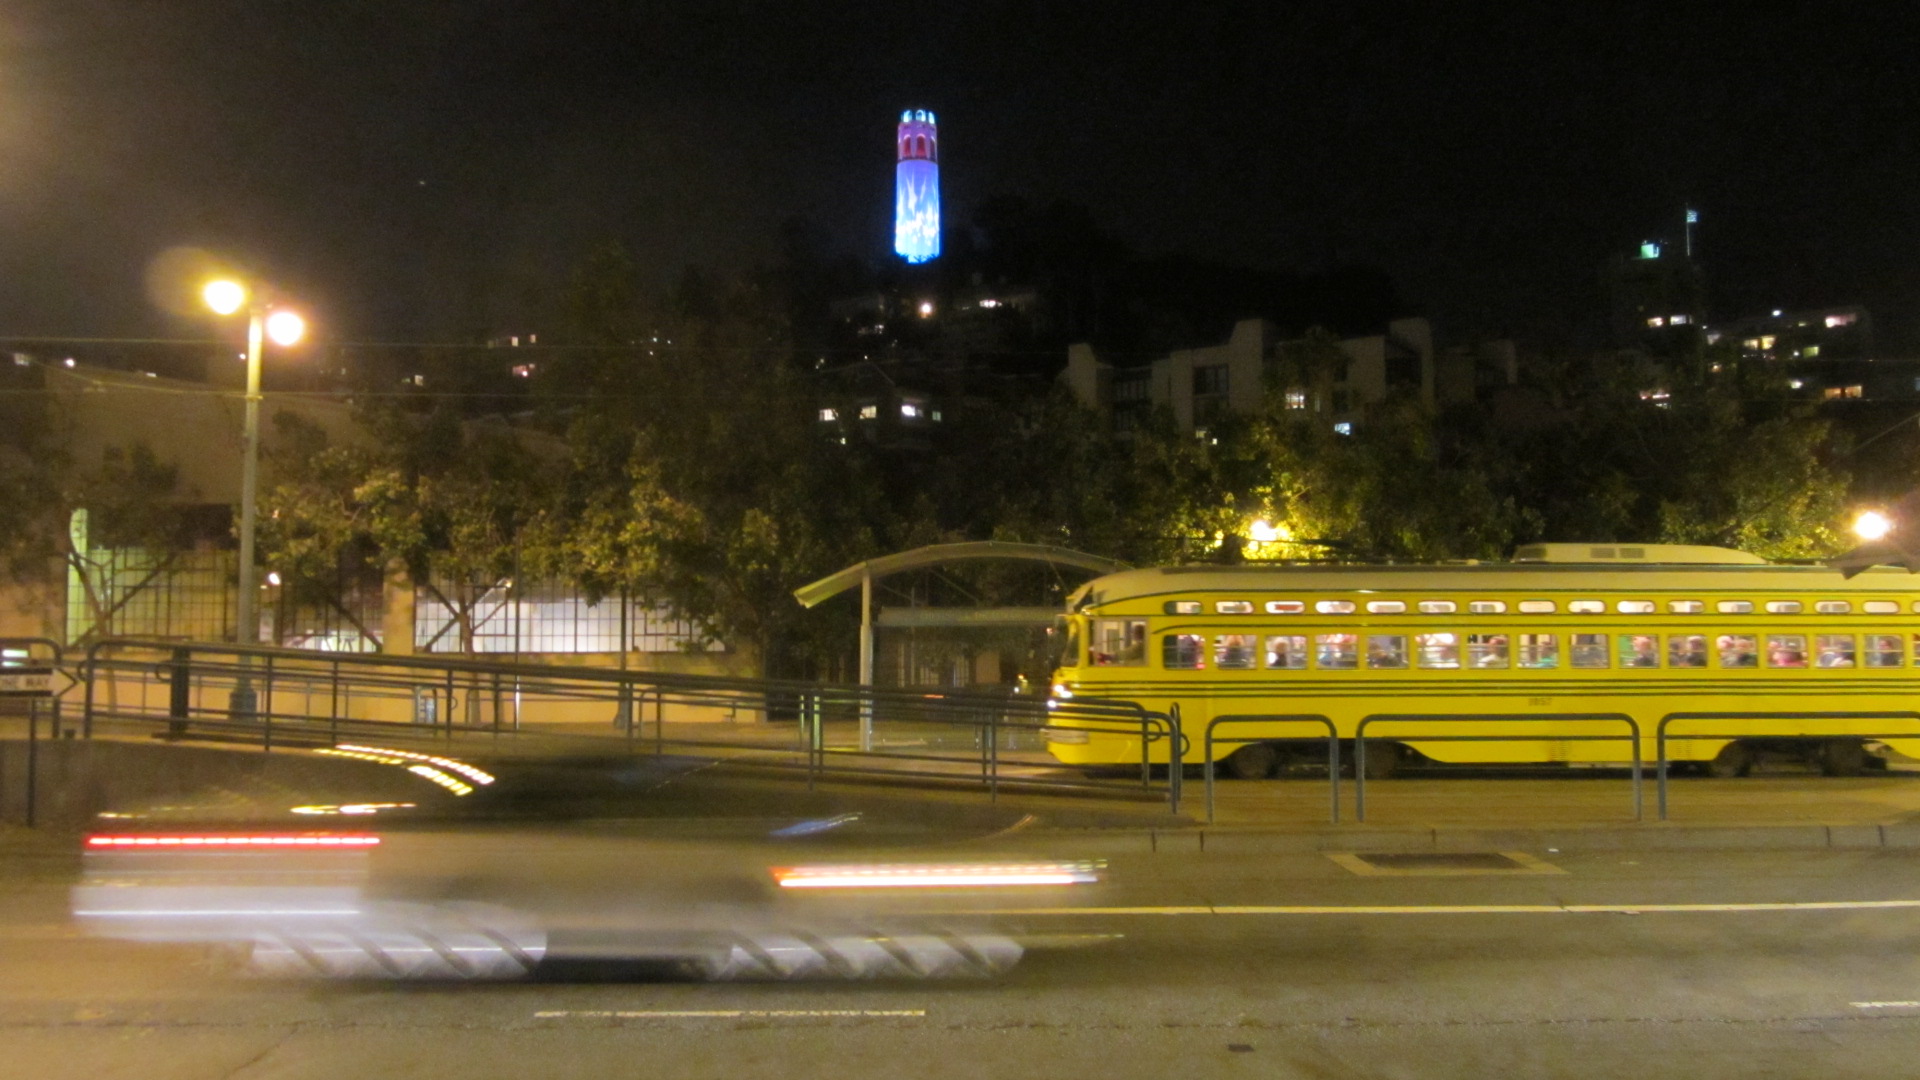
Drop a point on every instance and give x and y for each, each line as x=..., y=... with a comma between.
x=916, y=189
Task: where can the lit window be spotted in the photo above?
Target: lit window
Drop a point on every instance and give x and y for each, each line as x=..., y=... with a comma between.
x=1810, y=351
x=1656, y=322
x=934, y=416
x=1634, y=607
x=1687, y=650
x=1285, y=607
x=1536, y=607
x=1343, y=428
x=1183, y=607
x=1680, y=320
x=1832, y=607
x=1787, y=650
x=1235, y=652
x=1589, y=650
x=1119, y=642
x=1287, y=652
x=1487, y=650
x=1639, y=650
x=1538, y=651
x=1233, y=607
x=1183, y=651
x=1386, y=607
x=1686, y=607
x=869, y=412
x=1487, y=607
x=1795, y=384
x=1766, y=342
x=1834, y=650
x=829, y=415
x=1443, y=650
x=1587, y=607
x=1337, y=652
x=1735, y=607
x=1784, y=607
x=909, y=411
x=1880, y=607
x=1737, y=650
x=1386, y=650
x=1296, y=399
x=1882, y=650
x=1333, y=607
x=1835, y=321
x=1448, y=607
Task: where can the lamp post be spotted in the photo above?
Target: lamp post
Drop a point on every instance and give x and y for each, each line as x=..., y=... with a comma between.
x=283, y=327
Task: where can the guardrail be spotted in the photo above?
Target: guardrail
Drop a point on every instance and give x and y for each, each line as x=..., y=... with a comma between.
x=1333, y=750
x=275, y=697
x=1660, y=735
x=1360, y=741
x=50, y=657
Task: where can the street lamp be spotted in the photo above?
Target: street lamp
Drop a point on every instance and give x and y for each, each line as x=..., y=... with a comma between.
x=1872, y=525
x=284, y=327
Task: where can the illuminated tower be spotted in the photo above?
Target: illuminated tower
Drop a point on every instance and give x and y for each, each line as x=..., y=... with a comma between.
x=916, y=189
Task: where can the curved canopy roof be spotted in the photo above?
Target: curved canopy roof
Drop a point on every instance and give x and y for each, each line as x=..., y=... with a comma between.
x=936, y=554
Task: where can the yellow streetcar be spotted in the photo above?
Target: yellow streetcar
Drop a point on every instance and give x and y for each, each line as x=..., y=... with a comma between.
x=1642, y=630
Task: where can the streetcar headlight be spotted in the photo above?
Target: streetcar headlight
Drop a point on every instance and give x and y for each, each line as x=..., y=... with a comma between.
x=1062, y=690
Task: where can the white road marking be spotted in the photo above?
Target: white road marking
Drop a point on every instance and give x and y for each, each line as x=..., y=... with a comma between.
x=1885, y=1004
x=1462, y=909
x=725, y=1014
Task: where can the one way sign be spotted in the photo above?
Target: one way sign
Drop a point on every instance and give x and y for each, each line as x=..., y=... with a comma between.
x=34, y=682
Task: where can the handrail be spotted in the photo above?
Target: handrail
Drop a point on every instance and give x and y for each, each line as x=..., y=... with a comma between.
x=1360, y=741
x=1333, y=750
x=32, y=791
x=1660, y=733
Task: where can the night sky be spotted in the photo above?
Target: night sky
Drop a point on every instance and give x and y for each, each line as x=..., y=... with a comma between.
x=423, y=170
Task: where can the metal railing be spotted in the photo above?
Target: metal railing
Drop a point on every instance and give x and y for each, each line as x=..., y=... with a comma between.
x=1660, y=735
x=308, y=699
x=1333, y=750
x=40, y=653
x=1360, y=741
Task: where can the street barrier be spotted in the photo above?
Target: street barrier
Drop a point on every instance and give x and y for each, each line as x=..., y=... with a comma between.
x=1360, y=741
x=1660, y=735
x=1333, y=751
x=26, y=659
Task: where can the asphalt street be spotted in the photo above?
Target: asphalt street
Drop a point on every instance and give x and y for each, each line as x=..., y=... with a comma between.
x=1547, y=963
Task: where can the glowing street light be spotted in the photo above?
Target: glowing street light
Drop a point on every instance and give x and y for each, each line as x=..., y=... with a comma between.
x=283, y=327
x=1872, y=525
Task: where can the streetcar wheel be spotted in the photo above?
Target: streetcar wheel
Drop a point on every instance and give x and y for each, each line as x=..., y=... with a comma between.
x=1734, y=759
x=1842, y=757
x=1383, y=760
x=1255, y=761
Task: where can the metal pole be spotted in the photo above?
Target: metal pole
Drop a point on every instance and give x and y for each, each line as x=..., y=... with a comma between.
x=33, y=754
x=1360, y=773
x=866, y=659
x=247, y=629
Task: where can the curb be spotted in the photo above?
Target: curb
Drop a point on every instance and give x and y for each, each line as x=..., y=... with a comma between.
x=1794, y=837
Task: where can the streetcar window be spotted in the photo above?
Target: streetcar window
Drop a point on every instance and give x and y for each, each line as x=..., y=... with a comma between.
x=1285, y=607
x=1486, y=607
x=1639, y=650
x=1834, y=650
x=1337, y=652
x=1880, y=607
x=1119, y=642
x=1587, y=607
x=1235, y=652
x=1536, y=607
x=1070, y=647
x=1386, y=607
x=1883, y=650
x=1589, y=650
x=1487, y=650
x=1734, y=607
x=1784, y=607
x=1786, y=650
x=1233, y=607
x=1737, y=650
x=1183, y=607
x=1443, y=650
x=1634, y=607
x=1333, y=607
x=1287, y=651
x=1183, y=651
x=1686, y=650
x=1386, y=650
x=1832, y=607
x=1686, y=607
x=1447, y=607
x=1537, y=650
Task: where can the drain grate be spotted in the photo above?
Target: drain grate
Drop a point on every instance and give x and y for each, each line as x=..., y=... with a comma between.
x=1441, y=864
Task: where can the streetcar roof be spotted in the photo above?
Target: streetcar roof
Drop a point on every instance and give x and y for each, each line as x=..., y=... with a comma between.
x=1750, y=573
